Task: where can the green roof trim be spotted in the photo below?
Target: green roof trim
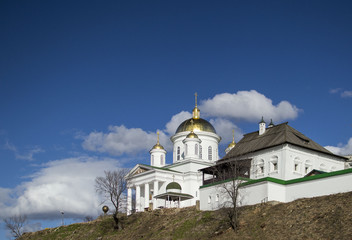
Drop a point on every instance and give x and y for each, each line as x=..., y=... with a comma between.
x=224, y=181
x=183, y=196
x=286, y=182
x=160, y=168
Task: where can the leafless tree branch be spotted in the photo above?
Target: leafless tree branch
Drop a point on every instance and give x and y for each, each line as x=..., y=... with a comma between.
x=112, y=186
x=231, y=174
x=15, y=225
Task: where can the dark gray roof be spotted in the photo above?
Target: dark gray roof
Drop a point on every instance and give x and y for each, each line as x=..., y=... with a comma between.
x=274, y=136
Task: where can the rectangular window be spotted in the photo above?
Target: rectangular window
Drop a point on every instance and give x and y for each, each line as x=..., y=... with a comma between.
x=200, y=152
x=210, y=153
x=275, y=166
x=296, y=167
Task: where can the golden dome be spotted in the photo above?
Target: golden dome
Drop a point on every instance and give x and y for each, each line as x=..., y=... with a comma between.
x=157, y=145
x=192, y=135
x=233, y=143
x=195, y=123
x=198, y=125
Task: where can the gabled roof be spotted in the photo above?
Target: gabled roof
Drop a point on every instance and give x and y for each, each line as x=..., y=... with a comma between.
x=275, y=136
x=141, y=168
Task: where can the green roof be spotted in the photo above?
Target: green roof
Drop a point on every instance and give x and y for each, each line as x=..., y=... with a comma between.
x=173, y=185
x=174, y=196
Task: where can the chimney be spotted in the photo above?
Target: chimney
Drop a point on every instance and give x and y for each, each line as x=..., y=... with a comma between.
x=262, y=126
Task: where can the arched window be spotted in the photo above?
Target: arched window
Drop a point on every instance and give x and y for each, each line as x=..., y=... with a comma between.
x=162, y=160
x=200, y=151
x=297, y=165
x=152, y=160
x=178, y=153
x=307, y=166
x=196, y=150
x=260, y=168
x=274, y=164
x=210, y=153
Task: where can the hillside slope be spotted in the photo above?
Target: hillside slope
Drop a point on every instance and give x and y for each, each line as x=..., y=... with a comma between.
x=328, y=217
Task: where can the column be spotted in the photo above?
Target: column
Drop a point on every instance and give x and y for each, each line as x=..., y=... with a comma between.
x=138, y=198
x=146, y=195
x=156, y=192
x=129, y=201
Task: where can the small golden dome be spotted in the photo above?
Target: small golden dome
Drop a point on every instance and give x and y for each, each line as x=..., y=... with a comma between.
x=233, y=143
x=192, y=135
x=157, y=145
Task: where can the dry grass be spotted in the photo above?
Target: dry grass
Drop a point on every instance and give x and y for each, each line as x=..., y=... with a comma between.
x=326, y=217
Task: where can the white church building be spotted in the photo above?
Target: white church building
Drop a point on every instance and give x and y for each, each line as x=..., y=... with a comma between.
x=284, y=165
x=195, y=146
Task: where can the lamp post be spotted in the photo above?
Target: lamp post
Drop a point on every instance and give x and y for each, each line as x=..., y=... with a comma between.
x=62, y=218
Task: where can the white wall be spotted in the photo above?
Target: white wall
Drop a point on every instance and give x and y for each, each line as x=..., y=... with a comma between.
x=207, y=139
x=272, y=191
x=319, y=187
x=288, y=155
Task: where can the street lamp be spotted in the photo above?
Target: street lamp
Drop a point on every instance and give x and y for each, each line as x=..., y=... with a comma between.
x=62, y=218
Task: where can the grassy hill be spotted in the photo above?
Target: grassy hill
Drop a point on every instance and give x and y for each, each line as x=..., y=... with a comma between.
x=328, y=217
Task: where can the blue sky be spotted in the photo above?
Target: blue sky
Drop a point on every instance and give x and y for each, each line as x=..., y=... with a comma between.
x=85, y=85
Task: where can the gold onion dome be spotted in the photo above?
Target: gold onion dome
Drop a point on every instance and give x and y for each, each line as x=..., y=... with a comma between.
x=157, y=145
x=233, y=143
x=198, y=124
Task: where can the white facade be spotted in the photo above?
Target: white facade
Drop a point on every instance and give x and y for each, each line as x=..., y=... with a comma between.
x=289, y=162
x=280, y=158
x=195, y=146
x=279, y=170
x=272, y=189
x=208, y=147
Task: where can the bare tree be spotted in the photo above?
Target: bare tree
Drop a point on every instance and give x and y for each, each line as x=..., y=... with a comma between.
x=232, y=174
x=15, y=225
x=112, y=185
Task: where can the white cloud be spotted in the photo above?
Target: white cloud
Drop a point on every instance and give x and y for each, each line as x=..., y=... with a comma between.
x=175, y=121
x=335, y=90
x=29, y=155
x=343, y=93
x=244, y=105
x=224, y=128
x=346, y=94
x=119, y=140
x=341, y=149
x=63, y=185
x=248, y=105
